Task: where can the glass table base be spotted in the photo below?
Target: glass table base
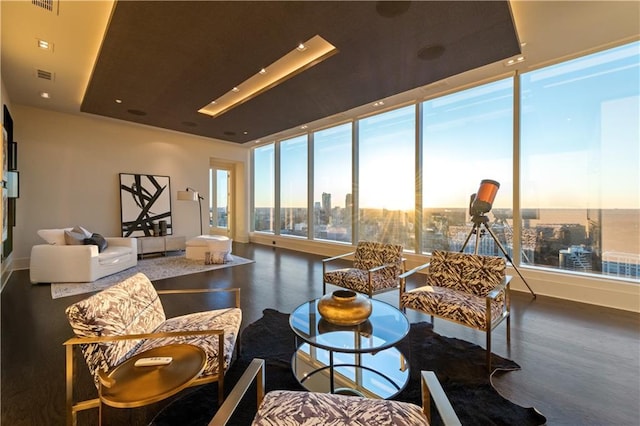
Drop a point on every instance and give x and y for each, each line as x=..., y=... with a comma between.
x=381, y=375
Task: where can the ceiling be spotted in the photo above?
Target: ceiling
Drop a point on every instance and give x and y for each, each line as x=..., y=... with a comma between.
x=165, y=60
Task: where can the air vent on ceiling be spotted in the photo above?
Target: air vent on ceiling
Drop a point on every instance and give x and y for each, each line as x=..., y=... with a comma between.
x=45, y=75
x=50, y=5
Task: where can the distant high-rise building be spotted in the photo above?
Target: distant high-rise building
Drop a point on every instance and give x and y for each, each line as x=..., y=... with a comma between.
x=326, y=203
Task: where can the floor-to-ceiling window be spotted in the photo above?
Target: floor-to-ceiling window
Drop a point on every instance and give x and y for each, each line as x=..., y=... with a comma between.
x=332, y=194
x=386, y=178
x=264, y=188
x=580, y=174
x=578, y=170
x=467, y=137
x=293, y=187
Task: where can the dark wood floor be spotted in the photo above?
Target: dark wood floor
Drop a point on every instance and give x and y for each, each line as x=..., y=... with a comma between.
x=580, y=363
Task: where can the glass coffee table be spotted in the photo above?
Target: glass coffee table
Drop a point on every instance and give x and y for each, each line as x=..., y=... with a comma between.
x=354, y=360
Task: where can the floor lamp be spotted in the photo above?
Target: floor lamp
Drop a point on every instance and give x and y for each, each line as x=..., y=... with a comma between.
x=191, y=194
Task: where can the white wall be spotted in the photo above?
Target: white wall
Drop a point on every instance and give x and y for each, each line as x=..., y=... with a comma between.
x=69, y=173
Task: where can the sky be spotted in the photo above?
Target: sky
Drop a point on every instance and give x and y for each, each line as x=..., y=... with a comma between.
x=580, y=144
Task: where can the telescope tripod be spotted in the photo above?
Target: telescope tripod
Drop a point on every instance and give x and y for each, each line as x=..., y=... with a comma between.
x=482, y=220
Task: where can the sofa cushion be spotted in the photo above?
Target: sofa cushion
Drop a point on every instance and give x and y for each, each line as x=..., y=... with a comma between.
x=98, y=240
x=76, y=236
x=53, y=236
x=113, y=254
x=219, y=257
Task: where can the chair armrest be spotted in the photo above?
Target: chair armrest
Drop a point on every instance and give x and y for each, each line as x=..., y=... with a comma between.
x=254, y=371
x=504, y=285
x=431, y=389
x=329, y=259
x=235, y=290
x=99, y=339
x=326, y=261
x=377, y=268
x=414, y=270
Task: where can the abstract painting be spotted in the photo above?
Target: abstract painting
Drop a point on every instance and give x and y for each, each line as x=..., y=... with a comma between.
x=145, y=200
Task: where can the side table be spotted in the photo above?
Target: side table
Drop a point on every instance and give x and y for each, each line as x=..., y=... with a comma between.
x=161, y=244
x=353, y=360
x=130, y=386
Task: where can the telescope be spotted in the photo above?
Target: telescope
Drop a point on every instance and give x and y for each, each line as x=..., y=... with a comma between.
x=479, y=204
x=482, y=201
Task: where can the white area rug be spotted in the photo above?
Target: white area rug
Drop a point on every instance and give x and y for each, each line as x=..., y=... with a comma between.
x=155, y=268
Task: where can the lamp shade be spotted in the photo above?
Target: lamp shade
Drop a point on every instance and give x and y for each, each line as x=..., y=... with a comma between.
x=188, y=195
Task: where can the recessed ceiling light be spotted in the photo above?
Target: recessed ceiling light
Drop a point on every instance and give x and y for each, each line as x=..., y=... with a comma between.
x=304, y=126
x=263, y=71
x=118, y=101
x=245, y=132
x=44, y=44
x=377, y=104
x=314, y=51
x=45, y=95
x=514, y=61
x=301, y=47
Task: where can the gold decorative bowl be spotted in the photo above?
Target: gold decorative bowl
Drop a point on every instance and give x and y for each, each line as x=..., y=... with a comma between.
x=344, y=307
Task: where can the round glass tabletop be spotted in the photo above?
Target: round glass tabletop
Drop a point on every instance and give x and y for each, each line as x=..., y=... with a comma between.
x=386, y=326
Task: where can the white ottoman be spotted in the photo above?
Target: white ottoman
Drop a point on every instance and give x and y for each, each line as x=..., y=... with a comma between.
x=198, y=246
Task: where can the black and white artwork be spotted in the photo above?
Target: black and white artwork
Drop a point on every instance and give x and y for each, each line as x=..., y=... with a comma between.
x=5, y=200
x=145, y=201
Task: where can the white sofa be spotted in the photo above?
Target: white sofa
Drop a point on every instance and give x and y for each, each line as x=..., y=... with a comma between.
x=57, y=262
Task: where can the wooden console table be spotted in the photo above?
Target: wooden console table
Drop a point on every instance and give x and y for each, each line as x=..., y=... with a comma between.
x=147, y=245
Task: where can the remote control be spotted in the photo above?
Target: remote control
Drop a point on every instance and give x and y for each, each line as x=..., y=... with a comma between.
x=156, y=360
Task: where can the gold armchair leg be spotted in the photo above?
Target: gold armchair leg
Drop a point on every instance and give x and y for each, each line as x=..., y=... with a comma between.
x=71, y=415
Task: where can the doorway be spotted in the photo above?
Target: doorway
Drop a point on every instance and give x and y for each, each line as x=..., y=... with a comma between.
x=221, y=199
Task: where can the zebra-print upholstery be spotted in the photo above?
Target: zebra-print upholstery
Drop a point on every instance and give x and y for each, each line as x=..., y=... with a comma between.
x=311, y=408
x=459, y=288
x=292, y=408
x=360, y=278
x=133, y=307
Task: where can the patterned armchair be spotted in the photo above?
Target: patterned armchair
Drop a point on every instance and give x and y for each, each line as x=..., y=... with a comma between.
x=128, y=318
x=283, y=407
x=468, y=289
x=376, y=269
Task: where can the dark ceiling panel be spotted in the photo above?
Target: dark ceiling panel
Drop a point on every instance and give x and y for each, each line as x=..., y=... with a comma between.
x=167, y=59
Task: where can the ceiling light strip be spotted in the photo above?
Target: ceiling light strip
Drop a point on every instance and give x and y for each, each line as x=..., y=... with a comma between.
x=298, y=60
